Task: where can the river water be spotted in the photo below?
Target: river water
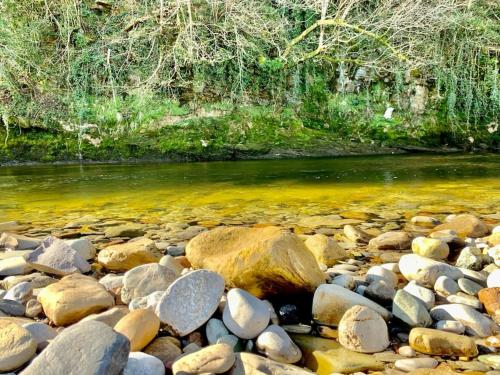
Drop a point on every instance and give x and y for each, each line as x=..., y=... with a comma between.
x=252, y=191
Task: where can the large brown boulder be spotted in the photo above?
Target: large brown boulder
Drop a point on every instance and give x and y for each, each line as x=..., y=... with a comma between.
x=263, y=261
x=465, y=225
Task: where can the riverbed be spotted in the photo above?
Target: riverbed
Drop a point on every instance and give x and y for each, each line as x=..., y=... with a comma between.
x=275, y=191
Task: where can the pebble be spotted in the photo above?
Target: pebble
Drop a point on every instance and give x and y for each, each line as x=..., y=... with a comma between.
x=325, y=249
x=490, y=298
x=15, y=265
x=33, y=308
x=356, y=235
x=468, y=286
x=407, y=351
x=426, y=271
x=17, y=346
x=215, y=329
x=215, y=359
x=141, y=363
x=393, y=267
x=143, y=280
x=426, y=296
x=452, y=326
x=230, y=340
x=435, y=342
x=446, y=286
x=425, y=221
x=476, y=324
x=478, y=277
x=275, y=343
x=166, y=348
x=465, y=299
x=288, y=314
x=172, y=263
x=12, y=308
x=83, y=246
x=472, y=258
x=330, y=302
x=190, y=301
x=392, y=240
x=363, y=330
x=415, y=363
x=73, y=298
x=54, y=256
x=345, y=281
x=84, y=348
x=430, y=247
x=112, y=282
x=380, y=291
x=492, y=360
x=140, y=327
x=124, y=257
x=410, y=310
x=21, y=292
x=245, y=315
x=378, y=273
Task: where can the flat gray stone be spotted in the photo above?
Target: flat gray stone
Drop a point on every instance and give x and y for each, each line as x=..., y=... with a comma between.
x=410, y=310
x=12, y=308
x=86, y=348
x=190, y=301
x=56, y=257
x=476, y=324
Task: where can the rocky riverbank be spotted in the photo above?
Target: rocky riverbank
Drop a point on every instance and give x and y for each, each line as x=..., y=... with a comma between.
x=326, y=295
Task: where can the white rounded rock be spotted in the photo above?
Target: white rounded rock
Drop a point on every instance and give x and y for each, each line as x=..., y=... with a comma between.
x=363, y=330
x=21, y=292
x=476, y=324
x=345, y=281
x=141, y=363
x=83, y=247
x=426, y=296
x=379, y=273
x=415, y=363
x=190, y=301
x=245, y=315
x=41, y=332
x=446, y=286
x=430, y=247
x=425, y=271
x=275, y=343
x=407, y=351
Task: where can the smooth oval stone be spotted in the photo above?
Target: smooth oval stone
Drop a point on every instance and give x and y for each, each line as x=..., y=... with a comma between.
x=84, y=348
x=190, y=301
x=410, y=310
x=275, y=343
x=17, y=346
x=289, y=314
x=82, y=246
x=425, y=271
x=363, y=330
x=379, y=291
x=491, y=360
x=415, y=363
x=12, y=308
x=141, y=363
x=345, y=281
x=394, y=267
x=445, y=286
x=407, y=351
x=140, y=327
x=214, y=330
x=21, y=292
x=450, y=326
x=476, y=324
x=230, y=340
x=325, y=249
x=330, y=302
x=216, y=359
x=465, y=299
x=33, y=308
x=478, y=277
x=425, y=221
x=468, y=286
x=378, y=273
x=435, y=342
x=245, y=315
x=490, y=297
x=426, y=296
x=430, y=247
x=392, y=240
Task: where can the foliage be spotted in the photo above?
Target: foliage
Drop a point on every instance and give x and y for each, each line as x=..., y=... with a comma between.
x=107, y=69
